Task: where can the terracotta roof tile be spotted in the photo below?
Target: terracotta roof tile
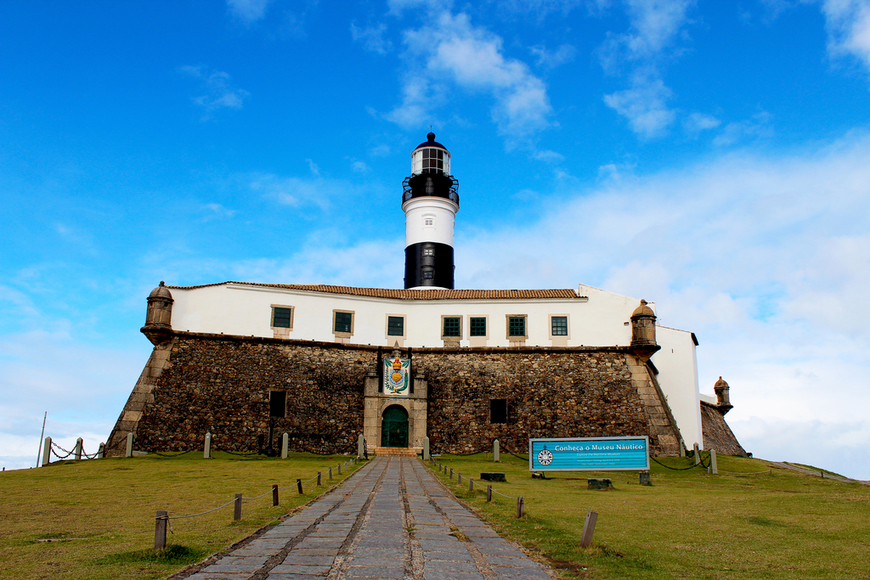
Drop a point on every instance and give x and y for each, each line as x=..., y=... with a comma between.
x=397, y=294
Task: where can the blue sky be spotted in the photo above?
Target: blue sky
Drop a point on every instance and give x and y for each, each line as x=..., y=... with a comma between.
x=713, y=157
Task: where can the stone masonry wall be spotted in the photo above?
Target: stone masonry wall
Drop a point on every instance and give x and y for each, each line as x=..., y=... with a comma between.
x=221, y=384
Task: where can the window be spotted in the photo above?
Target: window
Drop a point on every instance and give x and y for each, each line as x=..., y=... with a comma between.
x=428, y=251
x=516, y=326
x=498, y=411
x=433, y=161
x=277, y=403
x=282, y=317
x=452, y=326
x=477, y=326
x=559, y=325
x=395, y=326
x=343, y=322
x=428, y=275
x=429, y=222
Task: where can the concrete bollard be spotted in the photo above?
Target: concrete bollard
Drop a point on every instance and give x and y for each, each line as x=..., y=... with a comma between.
x=237, y=508
x=330, y=474
x=129, y=452
x=714, y=466
x=496, y=451
x=101, y=452
x=470, y=484
x=488, y=493
x=520, y=505
x=78, y=449
x=46, y=452
x=426, y=455
x=274, y=494
x=459, y=479
x=285, y=445
x=588, y=529
x=318, y=479
x=339, y=468
x=451, y=473
x=360, y=446
x=206, y=447
x=682, y=448
x=160, y=529
x=299, y=486
x=697, y=454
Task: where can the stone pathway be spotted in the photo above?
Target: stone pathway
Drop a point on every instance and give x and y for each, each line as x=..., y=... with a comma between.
x=392, y=520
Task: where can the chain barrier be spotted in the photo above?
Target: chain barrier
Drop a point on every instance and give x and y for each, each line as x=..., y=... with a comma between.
x=509, y=452
x=700, y=464
x=56, y=454
x=172, y=453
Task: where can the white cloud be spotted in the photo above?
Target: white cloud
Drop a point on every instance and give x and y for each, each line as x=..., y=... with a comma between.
x=653, y=27
x=248, y=11
x=372, y=37
x=758, y=126
x=848, y=25
x=697, y=122
x=644, y=104
x=553, y=58
x=221, y=94
x=449, y=51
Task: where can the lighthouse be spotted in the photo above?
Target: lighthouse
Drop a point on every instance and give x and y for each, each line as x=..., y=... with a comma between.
x=430, y=201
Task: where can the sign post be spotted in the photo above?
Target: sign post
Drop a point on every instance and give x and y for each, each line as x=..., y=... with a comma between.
x=589, y=454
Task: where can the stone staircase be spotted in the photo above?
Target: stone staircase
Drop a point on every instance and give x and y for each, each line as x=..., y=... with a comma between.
x=395, y=452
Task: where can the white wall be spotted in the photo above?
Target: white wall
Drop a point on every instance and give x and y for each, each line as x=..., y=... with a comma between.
x=678, y=378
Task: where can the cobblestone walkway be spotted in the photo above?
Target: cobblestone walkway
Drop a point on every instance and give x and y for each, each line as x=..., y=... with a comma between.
x=390, y=520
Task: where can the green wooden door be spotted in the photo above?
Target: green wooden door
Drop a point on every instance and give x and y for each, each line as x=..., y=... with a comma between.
x=394, y=428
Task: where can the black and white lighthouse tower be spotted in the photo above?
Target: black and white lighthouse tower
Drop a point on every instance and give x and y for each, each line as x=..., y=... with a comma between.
x=430, y=202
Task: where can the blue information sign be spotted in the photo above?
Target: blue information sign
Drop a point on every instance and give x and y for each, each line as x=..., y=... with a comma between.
x=589, y=454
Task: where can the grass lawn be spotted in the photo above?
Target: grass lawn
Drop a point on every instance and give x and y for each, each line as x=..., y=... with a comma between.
x=740, y=524
x=95, y=519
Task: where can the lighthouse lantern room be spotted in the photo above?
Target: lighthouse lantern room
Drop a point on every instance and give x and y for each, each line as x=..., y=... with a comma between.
x=430, y=202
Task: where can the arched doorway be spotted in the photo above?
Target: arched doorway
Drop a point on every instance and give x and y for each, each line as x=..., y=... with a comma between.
x=394, y=427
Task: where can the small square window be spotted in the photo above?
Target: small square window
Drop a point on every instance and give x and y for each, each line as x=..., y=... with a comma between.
x=429, y=222
x=428, y=275
x=453, y=326
x=282, y=317
x=428, y=251
x=395, y=326
x=498, y=411
x=477, y=326
x=559, y=325
x=277, y=403
x=343, y=322
x=516, y=326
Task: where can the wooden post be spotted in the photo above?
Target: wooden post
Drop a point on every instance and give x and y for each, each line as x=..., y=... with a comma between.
x=697, y=454
x=318, y=479
x=237, y=509
x=488, y=493
x=160, y=529
x=78, y=449
x=520, y=504
x=330, y=474
x=496, y=451
x=285, y=445
x=451, y=473
x=206, y=447
x=339, y=468
x=46, y=452
x=714, y=466
x=470, y=484
x=299, y=486
x=588, y=529
x=459, y=480
x=274, y=494
x=129, y=445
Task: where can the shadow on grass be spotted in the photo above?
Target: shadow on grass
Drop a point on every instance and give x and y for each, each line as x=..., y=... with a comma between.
x=175, y=555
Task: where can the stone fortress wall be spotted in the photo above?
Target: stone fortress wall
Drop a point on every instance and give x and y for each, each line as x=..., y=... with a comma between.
x=196, y=383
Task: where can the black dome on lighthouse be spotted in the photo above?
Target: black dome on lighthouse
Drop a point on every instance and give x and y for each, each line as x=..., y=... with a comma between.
x=431, y=142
